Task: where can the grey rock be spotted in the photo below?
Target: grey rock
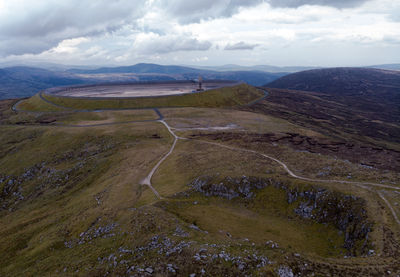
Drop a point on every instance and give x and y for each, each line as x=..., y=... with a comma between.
x=285, y=271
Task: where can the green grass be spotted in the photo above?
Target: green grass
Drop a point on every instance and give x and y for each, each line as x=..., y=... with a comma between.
x=32, y=235
x=224, y=97
x=261, y=222
x=36, y=104
x=83, y=118
x=192, y=159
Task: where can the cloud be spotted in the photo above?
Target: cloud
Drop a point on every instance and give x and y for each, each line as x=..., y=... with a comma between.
x=152, y=43
x=33, y=27
x=200, y=59
x=331, y=3
x=195, y=11
x=180, y=31
x=241, y=46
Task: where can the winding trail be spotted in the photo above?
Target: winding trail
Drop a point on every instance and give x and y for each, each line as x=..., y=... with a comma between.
x=390, y=207
x=147, y=179
x=286, y=168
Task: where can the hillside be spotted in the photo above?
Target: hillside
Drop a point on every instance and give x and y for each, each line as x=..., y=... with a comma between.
x=358, y=103
x=16, y=82
x=369, y=83
x=208, y=184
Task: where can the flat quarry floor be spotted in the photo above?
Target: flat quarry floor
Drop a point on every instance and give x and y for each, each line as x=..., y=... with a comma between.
x=139, y=90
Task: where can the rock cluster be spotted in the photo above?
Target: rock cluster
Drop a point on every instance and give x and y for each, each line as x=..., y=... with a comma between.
x=345, y=212
x=284, y=271
x=136, y=261
x=44, y=175
x=92, y=233
x=229, y=188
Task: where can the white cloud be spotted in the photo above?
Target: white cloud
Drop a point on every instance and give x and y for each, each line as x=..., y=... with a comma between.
x=69, y=46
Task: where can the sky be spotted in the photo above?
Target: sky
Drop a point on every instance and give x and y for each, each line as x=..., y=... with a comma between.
x=200, y=32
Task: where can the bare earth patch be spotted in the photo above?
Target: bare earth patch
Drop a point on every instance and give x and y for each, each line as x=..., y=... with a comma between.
x=140, y=89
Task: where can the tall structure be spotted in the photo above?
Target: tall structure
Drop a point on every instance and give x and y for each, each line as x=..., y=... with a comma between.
x=200, y=84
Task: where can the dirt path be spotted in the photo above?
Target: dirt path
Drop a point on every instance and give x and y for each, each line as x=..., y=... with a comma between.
x=147, y=180
x=390, y=207
x=286, y=168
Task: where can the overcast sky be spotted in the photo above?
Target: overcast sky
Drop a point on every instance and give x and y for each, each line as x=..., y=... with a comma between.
x=201, y=32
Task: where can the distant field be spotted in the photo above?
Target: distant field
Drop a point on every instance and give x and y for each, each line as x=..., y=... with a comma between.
x=221, y=97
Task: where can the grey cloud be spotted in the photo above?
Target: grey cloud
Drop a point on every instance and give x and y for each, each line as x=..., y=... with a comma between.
x=393, y=40
x=44, y=26
x=168, y=44
x=395, y=14
x=24, y=45
x=194, y=11
x=331, y=3
x=241, y=46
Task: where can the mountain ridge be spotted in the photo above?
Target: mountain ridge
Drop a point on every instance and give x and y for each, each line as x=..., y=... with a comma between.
x=24, y=81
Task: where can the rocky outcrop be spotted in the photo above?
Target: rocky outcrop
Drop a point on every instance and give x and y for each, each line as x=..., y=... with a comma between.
x=35, y=180
x=229, y=188
x=200, y=260
x=345, y=212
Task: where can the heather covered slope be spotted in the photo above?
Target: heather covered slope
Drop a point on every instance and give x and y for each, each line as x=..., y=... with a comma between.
x=342, y=81
x=349, y=103
x=365, y=89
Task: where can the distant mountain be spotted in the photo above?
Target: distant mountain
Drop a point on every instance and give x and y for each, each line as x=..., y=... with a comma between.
x=141, y=70
x=366, y=82
x=16, y=82
x=394, y=66
x=255, y=78
x=263, y=68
